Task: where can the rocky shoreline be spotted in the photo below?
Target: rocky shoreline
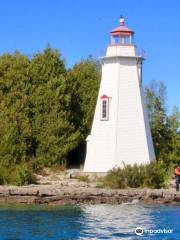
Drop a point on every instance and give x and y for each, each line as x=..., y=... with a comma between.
x=72, y=187
x=68, y=195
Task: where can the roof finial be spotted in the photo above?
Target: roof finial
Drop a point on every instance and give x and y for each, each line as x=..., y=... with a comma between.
x=122, y=21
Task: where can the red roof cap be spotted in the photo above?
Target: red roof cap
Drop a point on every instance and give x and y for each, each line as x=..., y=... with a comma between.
x=122, y=29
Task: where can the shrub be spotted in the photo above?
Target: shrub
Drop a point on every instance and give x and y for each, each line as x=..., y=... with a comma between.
x=17, y=175
x=155, y=175
x=83, y=178
x=151, y=175
x=23, y=176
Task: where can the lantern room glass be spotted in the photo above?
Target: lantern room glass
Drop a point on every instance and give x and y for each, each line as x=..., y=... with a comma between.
x=121, y=39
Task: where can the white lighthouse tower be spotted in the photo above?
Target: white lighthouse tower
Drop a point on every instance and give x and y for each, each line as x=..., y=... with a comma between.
x=120, y=131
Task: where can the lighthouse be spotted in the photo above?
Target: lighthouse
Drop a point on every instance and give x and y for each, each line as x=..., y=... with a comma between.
x=120, y=131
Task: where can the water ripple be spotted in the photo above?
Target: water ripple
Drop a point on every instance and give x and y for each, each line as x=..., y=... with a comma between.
x=88, y=222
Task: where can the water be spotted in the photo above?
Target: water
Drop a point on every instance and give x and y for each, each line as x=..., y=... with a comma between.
x=88, y=222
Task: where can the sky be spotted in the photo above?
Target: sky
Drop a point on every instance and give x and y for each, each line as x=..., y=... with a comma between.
x=81, y=28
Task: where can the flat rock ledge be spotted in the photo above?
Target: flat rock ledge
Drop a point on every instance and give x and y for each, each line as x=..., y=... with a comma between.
x=69, y=195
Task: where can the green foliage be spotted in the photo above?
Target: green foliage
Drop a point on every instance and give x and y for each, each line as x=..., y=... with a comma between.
x=174, y=126
x=17, y=175
x=165, y=128
x=53, y=129
x=152, y=175
x=155, y=175
x=45, y=111
x=23, y=176
x=15, y=126
x=84, y=79
x=83, y=178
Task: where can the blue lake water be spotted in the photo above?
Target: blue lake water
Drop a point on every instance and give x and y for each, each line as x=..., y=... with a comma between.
x=89, y=222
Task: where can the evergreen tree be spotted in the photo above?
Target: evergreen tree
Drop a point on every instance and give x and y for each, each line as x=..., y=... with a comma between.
x=164, y=128
x=53, y=129
x=174, y=124
x=15, y=124
x=84, y=79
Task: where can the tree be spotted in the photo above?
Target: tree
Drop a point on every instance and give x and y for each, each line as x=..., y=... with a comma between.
x=164, y=128
x=45, y=110
x=84, y=79
x=15, y=123
x=54, y=131
x=174, y=124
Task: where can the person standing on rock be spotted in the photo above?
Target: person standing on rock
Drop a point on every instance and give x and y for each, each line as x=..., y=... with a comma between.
x=177, y=175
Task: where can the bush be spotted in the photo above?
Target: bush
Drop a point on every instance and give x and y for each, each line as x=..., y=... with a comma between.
x=23, y=176
x=156, y=175
x=83, y=178
x=151, y=175
x=17, y=175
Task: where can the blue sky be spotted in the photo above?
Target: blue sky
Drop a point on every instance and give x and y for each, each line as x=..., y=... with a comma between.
x=79, y=28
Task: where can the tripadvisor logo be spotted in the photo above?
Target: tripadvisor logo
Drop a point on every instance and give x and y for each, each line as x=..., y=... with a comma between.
x=139, y=231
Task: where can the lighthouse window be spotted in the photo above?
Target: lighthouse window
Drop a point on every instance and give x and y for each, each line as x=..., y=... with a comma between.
x=116, y=39
x=104, y=109
x=126, y=40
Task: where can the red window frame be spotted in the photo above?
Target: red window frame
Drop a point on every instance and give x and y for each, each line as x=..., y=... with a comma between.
x=104, y=108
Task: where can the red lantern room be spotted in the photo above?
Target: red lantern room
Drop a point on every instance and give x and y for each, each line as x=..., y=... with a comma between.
x=122, y=35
